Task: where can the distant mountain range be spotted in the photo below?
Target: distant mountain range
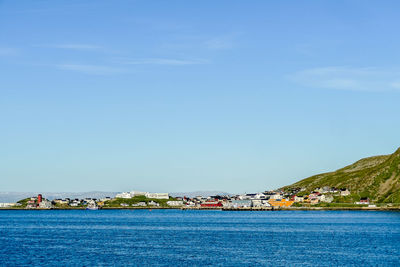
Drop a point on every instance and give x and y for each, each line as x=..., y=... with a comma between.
x=199, y=193
x=15, y=196
x=375, y=177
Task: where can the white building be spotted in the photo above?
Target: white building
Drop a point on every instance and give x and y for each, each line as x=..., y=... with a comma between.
x=130, y=194
x=260, y=203
x=276, y=196
x=7, y=205
x=344, y=192
x=124, y=195
x=326, y=198
x=157, y=195
x=139, y=204
x=175, y=203
x=45, y=204
x=298, y=199
x=152, y=203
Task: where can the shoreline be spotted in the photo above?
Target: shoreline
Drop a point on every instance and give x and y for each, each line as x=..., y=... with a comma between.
x=230, y=209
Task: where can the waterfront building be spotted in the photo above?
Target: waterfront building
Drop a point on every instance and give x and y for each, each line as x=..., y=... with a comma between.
x=45, y=204
x=175, y=203
x=280, y=202
x=7, y=205
x=139, y=204
x=153, y=203
x=211, y=203
x=363, y=201
x=241, y=203
x=259, y=203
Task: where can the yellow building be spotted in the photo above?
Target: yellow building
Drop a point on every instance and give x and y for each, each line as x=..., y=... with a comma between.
x=280, y=202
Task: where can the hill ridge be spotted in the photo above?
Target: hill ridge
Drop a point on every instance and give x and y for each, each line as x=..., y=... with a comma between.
x=376, y=177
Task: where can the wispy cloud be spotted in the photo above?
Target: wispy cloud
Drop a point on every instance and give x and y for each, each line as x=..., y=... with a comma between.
x=164, y=61
x=349, y=78
x=72, y=46
x=91, y=69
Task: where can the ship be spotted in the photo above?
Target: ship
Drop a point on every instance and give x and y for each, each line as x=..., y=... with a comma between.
x=92, y=206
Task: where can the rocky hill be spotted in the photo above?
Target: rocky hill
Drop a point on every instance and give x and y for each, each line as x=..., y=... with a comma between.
x=375, y=177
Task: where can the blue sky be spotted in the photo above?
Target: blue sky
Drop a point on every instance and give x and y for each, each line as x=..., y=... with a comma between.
x=238, y=96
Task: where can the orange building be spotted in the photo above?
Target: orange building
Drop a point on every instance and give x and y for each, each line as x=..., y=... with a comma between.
x=280, y=202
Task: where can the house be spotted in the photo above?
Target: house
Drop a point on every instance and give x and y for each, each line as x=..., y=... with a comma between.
x=139, y=204
x=190, y=204
x=326, y=198
x=260, y=196
x=45, y=204
x=153, y=203
x=259, y=203
x=298, y=199
x=75, y=203
x=344, y=192
x=276, y=196
x=363, y=201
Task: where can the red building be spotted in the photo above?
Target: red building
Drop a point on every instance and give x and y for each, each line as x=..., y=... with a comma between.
x=210, y=204
x=39, y=198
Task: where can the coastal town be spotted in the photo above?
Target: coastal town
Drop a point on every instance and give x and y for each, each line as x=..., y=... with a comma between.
x=267, y=200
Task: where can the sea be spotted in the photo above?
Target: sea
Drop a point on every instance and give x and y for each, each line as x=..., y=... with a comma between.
x=198, y=238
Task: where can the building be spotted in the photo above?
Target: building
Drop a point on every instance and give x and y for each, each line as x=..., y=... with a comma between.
x=45, y=204
x=280, y=202
x=175, y=203
x=363, y=201
x=139, y=204
x=124, y=195
x=259, y=203
x=7, y=205
x=130, y=194
x=298, y=199
x=153, y=203
x=326, y=198
x=241, y=203
x=344, y=192
x=157, y=195
x=211, y=203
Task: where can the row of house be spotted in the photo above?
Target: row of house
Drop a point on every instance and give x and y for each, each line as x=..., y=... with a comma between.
x=276, y=198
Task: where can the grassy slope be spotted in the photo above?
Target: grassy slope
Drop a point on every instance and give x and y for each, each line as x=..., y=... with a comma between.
x=376, y=177
x=117, y=202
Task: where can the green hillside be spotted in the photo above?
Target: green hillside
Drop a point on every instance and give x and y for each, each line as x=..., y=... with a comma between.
x=375, y=177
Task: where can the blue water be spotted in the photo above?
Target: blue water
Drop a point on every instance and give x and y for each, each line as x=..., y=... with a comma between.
x=198, y=238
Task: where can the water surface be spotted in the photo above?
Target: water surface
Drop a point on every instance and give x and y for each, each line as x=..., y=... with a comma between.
x=182, y=238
